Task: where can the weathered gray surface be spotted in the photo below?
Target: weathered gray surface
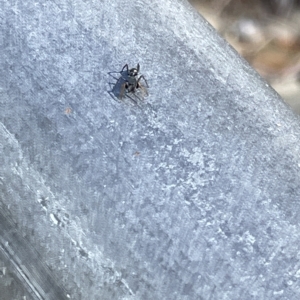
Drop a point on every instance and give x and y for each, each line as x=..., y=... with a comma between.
x=193, y=193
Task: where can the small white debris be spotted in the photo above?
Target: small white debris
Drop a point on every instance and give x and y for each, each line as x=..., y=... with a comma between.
x=53, y=219
x=278, y=293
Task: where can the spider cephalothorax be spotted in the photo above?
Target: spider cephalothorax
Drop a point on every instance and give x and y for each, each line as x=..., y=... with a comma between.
x=131, y=82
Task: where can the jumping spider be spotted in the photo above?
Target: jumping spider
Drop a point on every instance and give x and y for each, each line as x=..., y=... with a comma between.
x=131, y=83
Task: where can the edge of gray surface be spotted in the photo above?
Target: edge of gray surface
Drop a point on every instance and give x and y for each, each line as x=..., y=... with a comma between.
x=192, y=193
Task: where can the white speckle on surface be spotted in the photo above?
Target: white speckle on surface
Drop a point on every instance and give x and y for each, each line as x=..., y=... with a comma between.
x=289, y=282
x=276, y=293
x=53, y=219
x=177, y=141
x=248, y=237
x=297, y=275
x=196, y=157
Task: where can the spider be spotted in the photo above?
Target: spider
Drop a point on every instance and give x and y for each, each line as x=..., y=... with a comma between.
x=131, y=83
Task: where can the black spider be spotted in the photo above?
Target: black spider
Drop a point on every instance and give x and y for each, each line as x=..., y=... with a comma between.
x=131, y=83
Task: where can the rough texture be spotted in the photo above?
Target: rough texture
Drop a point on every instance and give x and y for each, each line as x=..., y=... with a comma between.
x=189, y=193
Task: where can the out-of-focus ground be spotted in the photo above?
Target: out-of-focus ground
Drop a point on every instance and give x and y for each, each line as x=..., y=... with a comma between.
x=266, y=33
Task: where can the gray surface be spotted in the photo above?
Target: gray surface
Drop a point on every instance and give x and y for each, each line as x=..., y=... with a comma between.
x=192, y=193
x=10, y=285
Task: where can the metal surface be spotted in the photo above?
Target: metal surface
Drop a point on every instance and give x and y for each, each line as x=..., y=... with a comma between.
x=189, y=193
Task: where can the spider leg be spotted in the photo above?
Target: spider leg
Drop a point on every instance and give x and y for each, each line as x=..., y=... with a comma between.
x=132, y=99
x=126, y=66
x=143, y=88
x=142, y=76
x=138, y=67
x=131, y=89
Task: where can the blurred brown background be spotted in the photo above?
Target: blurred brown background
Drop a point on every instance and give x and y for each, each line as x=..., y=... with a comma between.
x=266, y=33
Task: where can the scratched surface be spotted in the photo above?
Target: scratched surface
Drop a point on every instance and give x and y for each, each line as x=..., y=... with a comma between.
x=191, y=192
